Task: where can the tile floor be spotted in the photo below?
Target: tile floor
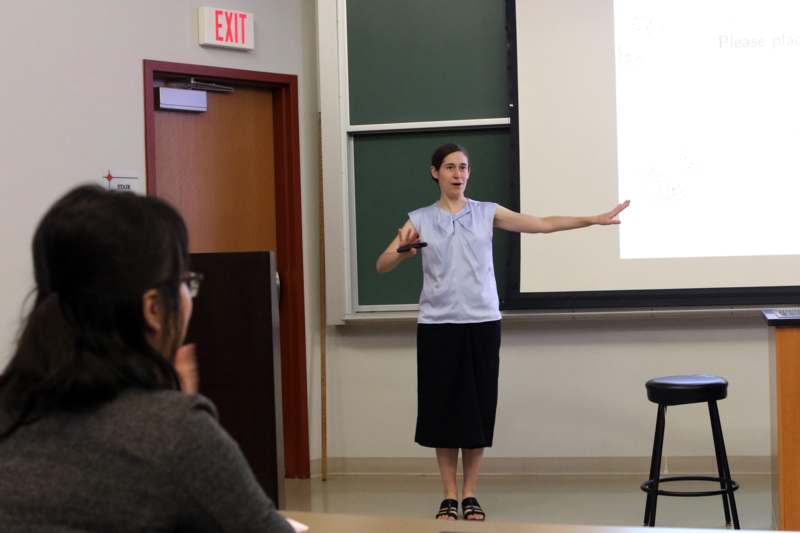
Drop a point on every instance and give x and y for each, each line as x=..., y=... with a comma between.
x=595, y=500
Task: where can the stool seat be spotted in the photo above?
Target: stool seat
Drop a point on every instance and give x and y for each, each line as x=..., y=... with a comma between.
x=678, y=390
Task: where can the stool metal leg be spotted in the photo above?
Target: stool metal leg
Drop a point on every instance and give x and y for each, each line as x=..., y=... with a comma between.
x=722, y=465
x=721, y=473
x=655, y=467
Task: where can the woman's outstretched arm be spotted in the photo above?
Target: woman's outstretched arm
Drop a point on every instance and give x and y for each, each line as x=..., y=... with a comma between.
x=512, y=221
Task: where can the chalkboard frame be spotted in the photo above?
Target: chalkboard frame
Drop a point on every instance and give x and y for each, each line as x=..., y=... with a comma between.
x=352, y=131
x=489, y=150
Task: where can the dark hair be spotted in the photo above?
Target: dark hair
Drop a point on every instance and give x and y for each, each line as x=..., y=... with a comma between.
x=443, y=151
x=95, y=253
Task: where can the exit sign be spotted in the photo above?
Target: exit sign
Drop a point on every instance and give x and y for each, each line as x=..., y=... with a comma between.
x=225, y=28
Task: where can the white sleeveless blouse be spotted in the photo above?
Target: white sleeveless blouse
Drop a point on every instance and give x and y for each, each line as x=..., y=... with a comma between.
x=457, y=267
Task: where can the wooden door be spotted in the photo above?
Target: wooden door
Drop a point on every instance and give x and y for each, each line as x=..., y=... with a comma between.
x=218, y=169
x=233, y=173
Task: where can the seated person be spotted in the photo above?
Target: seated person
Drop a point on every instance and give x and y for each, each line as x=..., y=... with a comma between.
x=95, y=432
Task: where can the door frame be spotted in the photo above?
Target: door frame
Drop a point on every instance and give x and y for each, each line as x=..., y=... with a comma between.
x=289, y=233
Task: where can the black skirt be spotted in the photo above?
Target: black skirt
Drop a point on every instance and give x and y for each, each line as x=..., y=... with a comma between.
x=457, y=371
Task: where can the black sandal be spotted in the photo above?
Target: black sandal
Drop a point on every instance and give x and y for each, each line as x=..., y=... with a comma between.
x=471, y=508
x=448, y=508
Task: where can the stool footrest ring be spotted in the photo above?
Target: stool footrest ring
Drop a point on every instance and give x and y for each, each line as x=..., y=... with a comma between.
x=647, y=486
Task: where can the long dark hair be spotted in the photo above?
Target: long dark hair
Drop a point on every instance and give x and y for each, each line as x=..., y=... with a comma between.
x=95, y=253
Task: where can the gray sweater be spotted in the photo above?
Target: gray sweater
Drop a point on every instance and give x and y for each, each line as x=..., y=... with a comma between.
x=146, y=461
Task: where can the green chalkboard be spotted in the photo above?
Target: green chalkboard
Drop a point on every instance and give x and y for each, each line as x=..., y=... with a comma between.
x=392, y=178
x=426, y=60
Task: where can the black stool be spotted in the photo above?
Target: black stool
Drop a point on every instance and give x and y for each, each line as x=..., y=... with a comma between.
x=677, y=390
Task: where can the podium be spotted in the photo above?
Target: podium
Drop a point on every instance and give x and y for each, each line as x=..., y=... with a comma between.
x=784, y=353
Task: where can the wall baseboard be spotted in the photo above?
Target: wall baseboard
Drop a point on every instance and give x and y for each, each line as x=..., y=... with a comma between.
x=530, y=466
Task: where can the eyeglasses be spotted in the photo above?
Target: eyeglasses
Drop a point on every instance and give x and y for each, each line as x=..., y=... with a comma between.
x=192, y=281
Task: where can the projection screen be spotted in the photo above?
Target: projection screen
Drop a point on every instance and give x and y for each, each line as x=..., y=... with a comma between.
x=687, y=108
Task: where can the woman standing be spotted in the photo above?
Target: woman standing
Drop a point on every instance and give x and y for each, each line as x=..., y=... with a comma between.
x=458, y=330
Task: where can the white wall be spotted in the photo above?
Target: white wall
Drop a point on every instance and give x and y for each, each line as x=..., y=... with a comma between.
x=567, y=389
x=71, y=107
x=71, y=103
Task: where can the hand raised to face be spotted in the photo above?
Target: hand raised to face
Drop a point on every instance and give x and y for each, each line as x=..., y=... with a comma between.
x=186, y=367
